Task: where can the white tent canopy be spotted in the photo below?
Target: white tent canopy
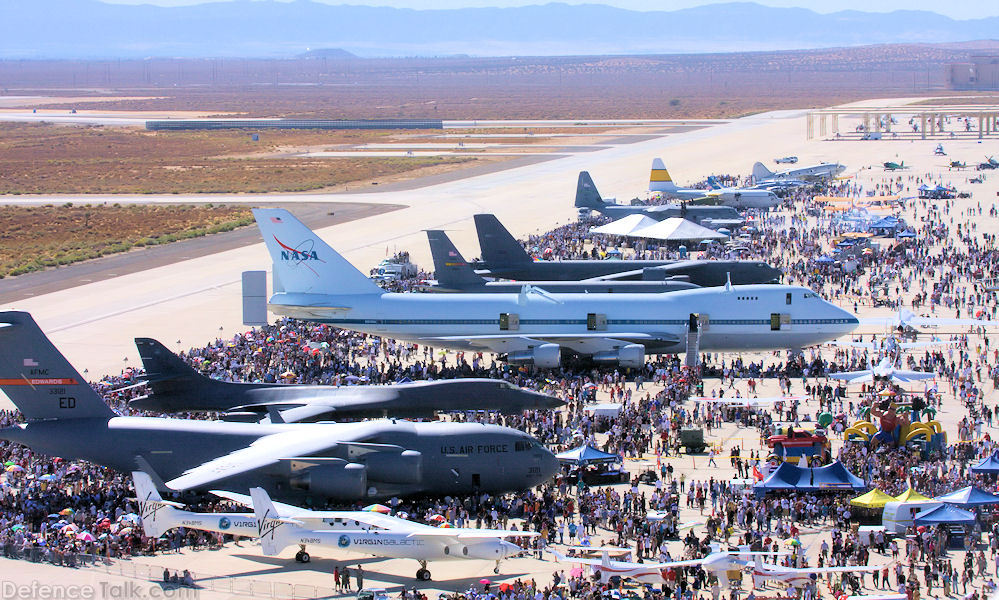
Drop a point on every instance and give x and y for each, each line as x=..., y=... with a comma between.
x=625, y=226
x=676, y=229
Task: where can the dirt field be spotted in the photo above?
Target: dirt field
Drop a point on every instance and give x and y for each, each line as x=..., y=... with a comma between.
x=648, y=86
x=46, y=159
x=35, y=238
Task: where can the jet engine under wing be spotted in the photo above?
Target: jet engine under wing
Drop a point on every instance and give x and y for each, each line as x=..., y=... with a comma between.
x=264, y=452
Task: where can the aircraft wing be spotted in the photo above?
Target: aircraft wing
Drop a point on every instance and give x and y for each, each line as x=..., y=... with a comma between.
x=470, y=534
x=818, y=570
x=931, y=321
x=584, y=343
x=263, y=452
x=866, y=376
x=910, y=376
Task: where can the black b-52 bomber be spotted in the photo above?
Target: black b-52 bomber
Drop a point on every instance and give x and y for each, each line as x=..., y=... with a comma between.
x=176, y=387
x=65, y=417
x=504, y=257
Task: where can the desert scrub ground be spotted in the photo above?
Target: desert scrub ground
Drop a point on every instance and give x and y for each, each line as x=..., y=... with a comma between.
x=33, y=238
x=50, y=159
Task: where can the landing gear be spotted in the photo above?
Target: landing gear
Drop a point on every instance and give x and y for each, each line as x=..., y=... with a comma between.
x=302, y=556
x=423, y=574
x=496, y=569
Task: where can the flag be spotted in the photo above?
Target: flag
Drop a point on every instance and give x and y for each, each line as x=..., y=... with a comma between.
x=756, y=473
x=30, y=362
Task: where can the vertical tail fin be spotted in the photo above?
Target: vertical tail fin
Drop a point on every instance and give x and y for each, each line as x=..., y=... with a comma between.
x=760, y=171
x=450, y=268
x=158, y=515
x=37, y=377
x=303, y=262
x=714, y=183
x=587, y=195
x=498, y=247
x=269, y=524
x=659, y=179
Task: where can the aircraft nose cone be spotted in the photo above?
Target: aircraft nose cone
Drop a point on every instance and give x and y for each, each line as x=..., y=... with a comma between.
x=846, y=320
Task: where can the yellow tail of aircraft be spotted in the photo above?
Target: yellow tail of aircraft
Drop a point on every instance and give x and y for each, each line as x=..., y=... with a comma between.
x=659, y=179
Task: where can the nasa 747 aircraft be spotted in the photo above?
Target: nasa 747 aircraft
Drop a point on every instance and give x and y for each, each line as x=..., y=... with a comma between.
x=314, y=283
x=347, y=461
x=381, y=535
x=761, y=174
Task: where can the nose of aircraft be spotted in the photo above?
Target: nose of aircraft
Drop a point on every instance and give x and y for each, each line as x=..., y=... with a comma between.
x=844, y=321
x=549, y=465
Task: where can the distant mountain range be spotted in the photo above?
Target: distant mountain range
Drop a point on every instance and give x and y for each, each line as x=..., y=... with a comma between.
x=269, y=28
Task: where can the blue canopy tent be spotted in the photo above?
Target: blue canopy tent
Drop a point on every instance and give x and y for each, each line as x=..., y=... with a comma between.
x=944, y=515
x=968, y=497
x=825, y=259
x=832, y=477
x=586, y=455
x=989, y=465
x=906, y=234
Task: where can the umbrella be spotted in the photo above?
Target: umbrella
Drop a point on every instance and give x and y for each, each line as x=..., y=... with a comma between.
x=378, y=508
x=15, y=469
x=129, y=518
x=66, y=512
x=53, y=516
x=575, y=572
x=48, y=477
x=506, y=586
x=8, y=463
x=484, y=581
x=793, y=542
x=125, y=531
x=86, y=536
x=69, y=528
x=17, y=528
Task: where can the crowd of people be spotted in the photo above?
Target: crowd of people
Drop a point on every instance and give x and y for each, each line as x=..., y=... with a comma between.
x=57, y=510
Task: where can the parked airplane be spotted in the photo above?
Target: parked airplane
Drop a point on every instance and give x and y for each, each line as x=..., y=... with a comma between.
x=660, y=181
x=347, y=461
x=382, y=536
x=796, y=576
x=883, y=371
x=454, y=274
x=810, y=173
x=588, y=198
x=906, y=319
x=655, y=573
x=535, y=326
x=894, y=166
x=504, y=257
x=177, y=387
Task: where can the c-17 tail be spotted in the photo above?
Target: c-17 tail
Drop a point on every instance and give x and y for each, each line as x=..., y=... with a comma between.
x=659, y=179
x=37, y=377
x=587, y=195
x=496, y=244
x=450, y=268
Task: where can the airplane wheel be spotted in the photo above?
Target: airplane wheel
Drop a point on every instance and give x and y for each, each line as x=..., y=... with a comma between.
x=423, y=575
x=303, y=557
x=495, y=570
x=298, y=557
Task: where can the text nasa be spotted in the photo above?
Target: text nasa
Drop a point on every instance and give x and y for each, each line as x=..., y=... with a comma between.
x=477, y=449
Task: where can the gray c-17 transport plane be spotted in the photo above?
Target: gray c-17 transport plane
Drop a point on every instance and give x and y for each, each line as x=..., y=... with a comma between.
x=454, y=274
x=504, y=257
x=314, y=283
x=587, y=196
x=177, y=387
x=345, y=461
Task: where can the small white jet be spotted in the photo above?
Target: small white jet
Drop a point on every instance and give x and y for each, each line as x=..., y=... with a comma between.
x=765, y=402
x=884, y=370
x=716, y=563
x=763, y=572
x=381, y=535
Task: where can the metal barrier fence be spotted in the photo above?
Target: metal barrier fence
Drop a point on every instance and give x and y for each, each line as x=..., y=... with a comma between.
x=226, y=584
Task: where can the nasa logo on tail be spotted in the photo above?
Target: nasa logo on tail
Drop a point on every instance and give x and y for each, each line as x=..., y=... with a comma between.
x=302, y=254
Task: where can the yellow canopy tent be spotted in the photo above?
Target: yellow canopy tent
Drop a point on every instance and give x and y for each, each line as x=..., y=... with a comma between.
x=872, y=499
x=911, y=495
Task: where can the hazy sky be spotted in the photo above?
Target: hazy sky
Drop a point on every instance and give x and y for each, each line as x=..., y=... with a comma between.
x=957, y=9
